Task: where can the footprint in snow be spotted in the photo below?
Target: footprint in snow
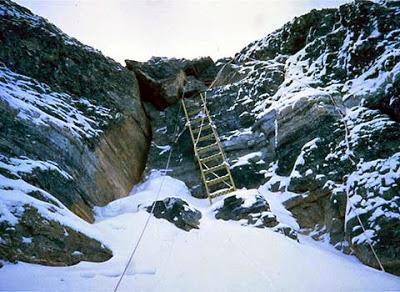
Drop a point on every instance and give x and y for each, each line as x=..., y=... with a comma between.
x=111, y=274
x=118, y=227
x=88, y=275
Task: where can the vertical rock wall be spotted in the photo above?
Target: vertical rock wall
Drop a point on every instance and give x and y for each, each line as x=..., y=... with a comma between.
x=73, y=135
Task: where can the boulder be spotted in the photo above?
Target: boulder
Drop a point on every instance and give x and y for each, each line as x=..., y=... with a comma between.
x=255, y=210
x=237, y=208
x=178, y=212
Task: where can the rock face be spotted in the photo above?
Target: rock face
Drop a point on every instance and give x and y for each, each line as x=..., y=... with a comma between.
x=311, y=111
x=313, y=107
x=178, y=212
x=38, y=240
x=162, y=82
x=72, y=130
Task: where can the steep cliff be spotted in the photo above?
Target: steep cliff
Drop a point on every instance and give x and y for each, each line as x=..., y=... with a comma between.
x=311, y=112
x=308, y=115
x=319, y=100
x=73, y=135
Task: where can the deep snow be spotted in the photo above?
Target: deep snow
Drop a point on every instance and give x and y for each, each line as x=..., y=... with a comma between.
x=220, y=256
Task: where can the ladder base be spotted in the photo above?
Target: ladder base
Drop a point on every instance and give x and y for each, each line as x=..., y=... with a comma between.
x=222, y=192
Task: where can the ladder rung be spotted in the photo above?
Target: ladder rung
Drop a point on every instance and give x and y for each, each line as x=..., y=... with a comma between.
x=208, y=148
x=194, y=105
x=195, y=112
x=205, y=127
x=221, y=192
x=199, y=123
x=207, y=137
x=218, y=180
x=215, y=168
x=199, y=119
x=211, y=157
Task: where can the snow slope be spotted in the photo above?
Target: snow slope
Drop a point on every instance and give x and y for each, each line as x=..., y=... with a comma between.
x=220, y=256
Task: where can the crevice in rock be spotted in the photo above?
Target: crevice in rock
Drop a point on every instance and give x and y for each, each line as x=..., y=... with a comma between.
x=162, y=82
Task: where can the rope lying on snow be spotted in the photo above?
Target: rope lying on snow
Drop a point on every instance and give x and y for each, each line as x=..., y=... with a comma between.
x=146, y=224
x=176, y=137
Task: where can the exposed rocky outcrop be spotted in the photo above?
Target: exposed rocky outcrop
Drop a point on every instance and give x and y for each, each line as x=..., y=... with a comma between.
x=311, y=111
x=178, y=212
x=36, y=239
x=163, y=82
x=315, y=103
x=253, y=209
x=73, y=130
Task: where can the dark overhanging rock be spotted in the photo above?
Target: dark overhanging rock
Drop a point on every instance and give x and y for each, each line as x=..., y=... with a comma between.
x=162, y=81
x=159, y=92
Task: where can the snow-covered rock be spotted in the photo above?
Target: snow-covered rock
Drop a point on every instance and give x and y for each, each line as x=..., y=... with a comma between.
x=311, y=111
x=176, y=211
x=323, y=93
x=73, y=135
x=224, y=255
x=251, y=208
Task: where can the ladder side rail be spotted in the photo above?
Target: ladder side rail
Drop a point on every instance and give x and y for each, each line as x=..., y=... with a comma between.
x=217, y=176
x=202, y=121
x=199, y=134
x=218, y=141
x=195, y=150
x=215, y=134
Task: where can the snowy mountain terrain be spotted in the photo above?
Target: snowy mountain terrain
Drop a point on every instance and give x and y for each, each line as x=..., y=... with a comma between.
x=58, y=123
x=309, y=120
x=320, y=100
x=220, y=256
x=311, y=110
